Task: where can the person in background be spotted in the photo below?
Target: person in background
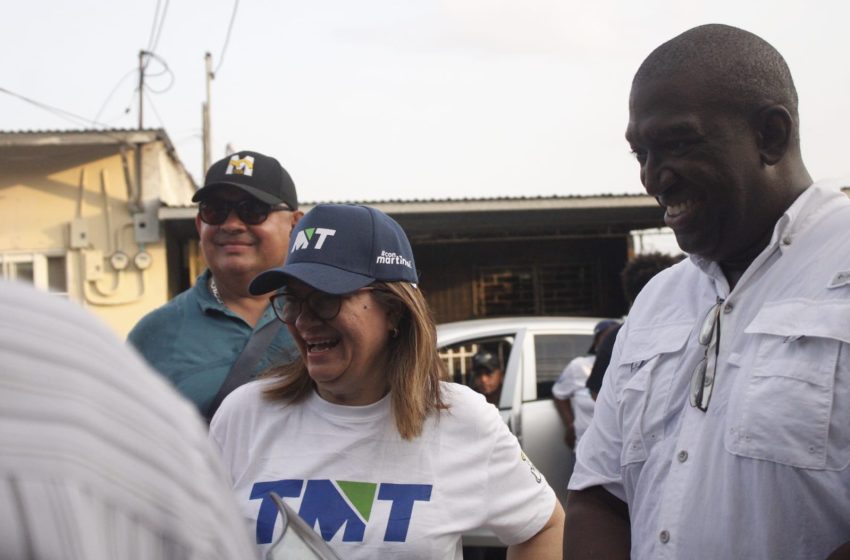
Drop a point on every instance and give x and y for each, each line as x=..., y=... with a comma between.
x=360, y=433
x=488, y=375
x=216, y=335
x=570, y=394
x=102, y=459
x=633, y=277
x=721, y=430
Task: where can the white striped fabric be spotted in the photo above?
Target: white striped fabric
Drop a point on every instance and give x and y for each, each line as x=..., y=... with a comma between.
x=99, y=457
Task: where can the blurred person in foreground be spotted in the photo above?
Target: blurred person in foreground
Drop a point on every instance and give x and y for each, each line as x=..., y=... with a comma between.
x=102, y=459
x=633, y=278
x=378, y=454
x=722, y=430
x=570, y=393
x=216, y=335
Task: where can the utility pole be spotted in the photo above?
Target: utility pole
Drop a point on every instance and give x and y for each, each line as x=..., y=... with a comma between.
x=206, y=114
x=141, y=88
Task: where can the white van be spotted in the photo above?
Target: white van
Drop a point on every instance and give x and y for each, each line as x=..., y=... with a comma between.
x=533, y=351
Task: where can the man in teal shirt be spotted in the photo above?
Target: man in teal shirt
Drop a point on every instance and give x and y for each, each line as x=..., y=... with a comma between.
x=248, y=207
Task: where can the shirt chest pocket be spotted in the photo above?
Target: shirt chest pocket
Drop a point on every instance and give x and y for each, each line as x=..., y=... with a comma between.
x=793, y=407
x=649, y=362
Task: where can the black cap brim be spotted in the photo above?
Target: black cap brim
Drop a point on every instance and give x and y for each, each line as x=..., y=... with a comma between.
x=256, y=193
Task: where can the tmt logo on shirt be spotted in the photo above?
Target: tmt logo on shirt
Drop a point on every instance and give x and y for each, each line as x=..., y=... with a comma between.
x=302, y=240
x=344, y=503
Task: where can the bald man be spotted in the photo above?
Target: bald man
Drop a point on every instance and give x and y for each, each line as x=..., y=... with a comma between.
x=723, y=429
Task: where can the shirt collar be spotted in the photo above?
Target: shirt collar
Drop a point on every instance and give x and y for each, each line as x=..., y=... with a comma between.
x=208, y=303
x=803, y=212
x=205, y=298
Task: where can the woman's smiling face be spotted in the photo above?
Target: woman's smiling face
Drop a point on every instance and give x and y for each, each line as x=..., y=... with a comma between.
x=345, y=356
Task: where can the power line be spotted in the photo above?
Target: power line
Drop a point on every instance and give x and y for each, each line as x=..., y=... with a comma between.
x=227, y=37
x=111, y=93
x=161, y=25
x=127, y=106
x=165, y=70
x=155, y=112
x=156, y=26
x=66, y=115
x=153, y=26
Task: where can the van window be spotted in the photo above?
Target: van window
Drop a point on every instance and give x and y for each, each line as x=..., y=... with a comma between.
x=552, y=353
x=458, y=356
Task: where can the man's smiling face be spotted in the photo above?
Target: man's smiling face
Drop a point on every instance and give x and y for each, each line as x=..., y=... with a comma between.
x=699, y=158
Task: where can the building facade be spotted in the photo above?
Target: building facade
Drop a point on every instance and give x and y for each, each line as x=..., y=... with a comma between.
x=79, y=216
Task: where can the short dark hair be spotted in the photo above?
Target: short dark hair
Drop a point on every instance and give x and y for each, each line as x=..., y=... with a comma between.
x=641, y=269
x=741, y=70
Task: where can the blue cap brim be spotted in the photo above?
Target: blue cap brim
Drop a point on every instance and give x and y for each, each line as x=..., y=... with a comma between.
x=323, y=277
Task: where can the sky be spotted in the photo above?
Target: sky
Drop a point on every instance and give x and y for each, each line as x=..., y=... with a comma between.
x=379, y=100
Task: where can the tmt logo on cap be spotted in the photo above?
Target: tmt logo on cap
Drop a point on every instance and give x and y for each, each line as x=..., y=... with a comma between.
x=303, y=237
x=340, y=248
x=240, y=166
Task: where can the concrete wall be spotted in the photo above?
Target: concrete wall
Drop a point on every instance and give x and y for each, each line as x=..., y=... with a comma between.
x=69, y=212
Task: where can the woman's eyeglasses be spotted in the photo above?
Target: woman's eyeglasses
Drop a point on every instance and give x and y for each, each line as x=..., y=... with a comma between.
x=702, y=380
x=287, y=306
x=251, y=211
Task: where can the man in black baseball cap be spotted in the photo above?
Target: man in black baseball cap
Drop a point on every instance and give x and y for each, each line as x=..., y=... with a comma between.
x=261, y=176
x=488, y=375
x=217, y=335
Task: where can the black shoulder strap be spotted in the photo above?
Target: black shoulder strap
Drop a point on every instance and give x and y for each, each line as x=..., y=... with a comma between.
x=242, y=369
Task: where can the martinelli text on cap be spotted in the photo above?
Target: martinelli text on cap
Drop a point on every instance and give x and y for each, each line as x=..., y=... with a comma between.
x=386, y=257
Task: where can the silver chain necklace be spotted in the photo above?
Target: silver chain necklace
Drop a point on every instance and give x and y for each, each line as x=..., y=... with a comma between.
x=214, y=290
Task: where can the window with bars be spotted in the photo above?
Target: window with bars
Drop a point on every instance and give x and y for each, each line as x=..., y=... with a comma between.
x=552, y=289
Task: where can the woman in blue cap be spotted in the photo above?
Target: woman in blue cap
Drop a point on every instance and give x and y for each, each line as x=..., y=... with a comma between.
x=360, y=435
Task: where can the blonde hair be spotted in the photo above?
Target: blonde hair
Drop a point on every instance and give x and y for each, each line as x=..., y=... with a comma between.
x=414, y=369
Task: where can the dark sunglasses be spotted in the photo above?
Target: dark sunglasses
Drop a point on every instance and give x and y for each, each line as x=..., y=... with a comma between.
x=287, y=306
x=251, y=211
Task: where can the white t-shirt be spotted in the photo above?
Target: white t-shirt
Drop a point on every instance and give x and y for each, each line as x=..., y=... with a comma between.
x=572, y=384
x=764, y=473
x=371, y=494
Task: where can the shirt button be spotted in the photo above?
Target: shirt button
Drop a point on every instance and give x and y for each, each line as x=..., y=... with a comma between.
x=728, y=307
x=664, y=536
x=786, y=240
x=682, y=456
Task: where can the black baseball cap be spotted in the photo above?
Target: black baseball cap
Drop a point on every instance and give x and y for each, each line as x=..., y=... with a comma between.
x=261, y=176
x=340, y=248
x=484, y=360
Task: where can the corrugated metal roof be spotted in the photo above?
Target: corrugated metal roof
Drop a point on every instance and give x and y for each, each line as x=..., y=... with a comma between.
x=500, y=203
x=85, y=136
x=78, y=130
x=479, y=199
x=45, y=142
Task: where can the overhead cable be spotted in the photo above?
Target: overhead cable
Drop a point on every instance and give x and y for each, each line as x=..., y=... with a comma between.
x=156, y=27
x=67, y=115
x=227, y=37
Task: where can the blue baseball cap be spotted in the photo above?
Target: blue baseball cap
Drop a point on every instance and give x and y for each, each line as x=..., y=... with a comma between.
x=340, y=248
